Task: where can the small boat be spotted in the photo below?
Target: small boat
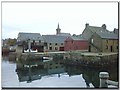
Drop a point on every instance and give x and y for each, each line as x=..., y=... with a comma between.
x=30, y=50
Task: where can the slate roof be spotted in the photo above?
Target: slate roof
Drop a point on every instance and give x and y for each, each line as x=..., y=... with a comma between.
x=31, y=36
x=77, y=38
x=54, y=38
x=107, y=35
x=64, y=34
x=90, y=30
x=96, y=29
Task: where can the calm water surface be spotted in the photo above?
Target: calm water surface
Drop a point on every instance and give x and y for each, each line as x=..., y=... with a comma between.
x=38, y=74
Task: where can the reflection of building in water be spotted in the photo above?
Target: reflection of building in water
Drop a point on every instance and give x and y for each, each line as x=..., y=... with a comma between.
x=36, y=70
x=54, y=67
x=33, y=72
x=74, y=70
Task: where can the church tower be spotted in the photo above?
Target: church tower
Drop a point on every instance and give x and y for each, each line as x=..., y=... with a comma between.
x=58, y=30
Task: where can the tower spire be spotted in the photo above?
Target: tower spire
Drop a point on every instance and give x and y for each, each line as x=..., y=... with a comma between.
x=58, y=29
x=58, y=25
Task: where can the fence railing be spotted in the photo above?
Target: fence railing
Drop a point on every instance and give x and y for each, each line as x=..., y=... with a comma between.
x=104, y=82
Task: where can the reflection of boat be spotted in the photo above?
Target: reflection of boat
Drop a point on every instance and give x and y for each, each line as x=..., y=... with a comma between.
x=30, y=50
x=45, y=59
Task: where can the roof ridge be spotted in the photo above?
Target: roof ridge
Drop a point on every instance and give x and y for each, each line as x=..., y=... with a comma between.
x=28, y=33
x=108, y=35
x=95, y=26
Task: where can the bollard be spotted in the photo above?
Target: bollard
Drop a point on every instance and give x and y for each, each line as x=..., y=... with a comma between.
x=103, y=79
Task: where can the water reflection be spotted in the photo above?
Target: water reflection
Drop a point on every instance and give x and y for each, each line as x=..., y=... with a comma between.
x=32, y=70
x=91, y=75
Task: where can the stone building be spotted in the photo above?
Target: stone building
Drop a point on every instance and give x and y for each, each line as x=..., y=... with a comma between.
x=54, y=42
x=100, y=39
x=104, y=42
x=36, y=41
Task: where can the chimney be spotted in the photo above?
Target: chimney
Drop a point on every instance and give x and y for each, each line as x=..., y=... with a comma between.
x=116, y=31
x=104, y=26
x=87, y=24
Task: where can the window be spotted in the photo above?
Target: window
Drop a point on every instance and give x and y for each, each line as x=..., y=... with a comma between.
x=56, y=48
x=55, y=43
x=50, y=43
x=50, y=48
x=61, y=43
x=117, y=47
x=34, y=42
x=45, y=44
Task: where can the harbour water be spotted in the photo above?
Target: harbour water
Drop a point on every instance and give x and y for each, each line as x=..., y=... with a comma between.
x=51, y=74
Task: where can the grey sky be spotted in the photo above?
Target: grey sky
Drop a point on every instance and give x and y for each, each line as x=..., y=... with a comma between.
x=43, y=18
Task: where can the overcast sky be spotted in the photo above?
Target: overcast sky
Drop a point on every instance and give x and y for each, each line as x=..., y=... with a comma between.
x=43, y=18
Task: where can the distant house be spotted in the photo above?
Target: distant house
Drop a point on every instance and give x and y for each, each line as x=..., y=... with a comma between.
x=35, y=39
x=90, y=30
x=54, y=42
x=75, y=43
x=104, y=42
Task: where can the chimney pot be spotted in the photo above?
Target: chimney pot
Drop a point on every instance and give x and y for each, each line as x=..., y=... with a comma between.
x=87, y=24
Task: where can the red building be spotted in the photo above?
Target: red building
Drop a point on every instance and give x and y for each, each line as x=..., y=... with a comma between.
x=75, y=43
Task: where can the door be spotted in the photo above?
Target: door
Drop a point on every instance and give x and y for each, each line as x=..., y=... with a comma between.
x=111, y=49
x=61, y=49
x=89, y=49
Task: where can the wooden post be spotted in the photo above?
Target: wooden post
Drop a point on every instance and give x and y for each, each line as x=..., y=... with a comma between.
x=103, y=79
